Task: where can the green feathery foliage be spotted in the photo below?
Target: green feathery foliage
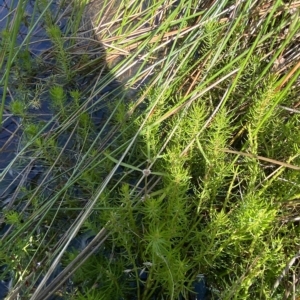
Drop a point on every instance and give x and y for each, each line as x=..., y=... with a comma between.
x=164, y=153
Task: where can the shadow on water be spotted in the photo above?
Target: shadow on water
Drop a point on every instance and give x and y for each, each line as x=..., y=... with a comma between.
x=43, y=75
x=38, y=37
x=45, y=72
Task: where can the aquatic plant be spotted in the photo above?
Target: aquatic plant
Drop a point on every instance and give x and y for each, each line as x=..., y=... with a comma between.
x=123, y=193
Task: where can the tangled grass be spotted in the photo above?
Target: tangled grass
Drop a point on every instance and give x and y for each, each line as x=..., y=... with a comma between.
x=166, y=150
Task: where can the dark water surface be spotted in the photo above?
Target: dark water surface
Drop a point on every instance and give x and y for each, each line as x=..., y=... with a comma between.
x=38, y=41
x=18, y=171
x=24, y=171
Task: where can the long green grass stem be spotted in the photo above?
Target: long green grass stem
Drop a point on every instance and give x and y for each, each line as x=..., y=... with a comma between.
x=156, y=145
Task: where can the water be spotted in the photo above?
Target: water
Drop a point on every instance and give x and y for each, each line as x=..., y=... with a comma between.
x=30, y=171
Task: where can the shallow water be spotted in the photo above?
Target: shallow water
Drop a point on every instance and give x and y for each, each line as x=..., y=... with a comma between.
x=29, y=171
x=25, y=170
x=11, y=129
x=38, y=38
